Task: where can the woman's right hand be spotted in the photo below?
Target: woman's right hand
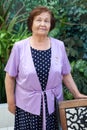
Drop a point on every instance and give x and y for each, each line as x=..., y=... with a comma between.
x=12, y=108
x=10, y=89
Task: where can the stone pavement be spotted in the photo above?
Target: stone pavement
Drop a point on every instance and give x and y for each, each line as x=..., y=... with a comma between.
x=7, y=128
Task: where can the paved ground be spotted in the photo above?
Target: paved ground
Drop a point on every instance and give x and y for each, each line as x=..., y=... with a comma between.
x=7, y=128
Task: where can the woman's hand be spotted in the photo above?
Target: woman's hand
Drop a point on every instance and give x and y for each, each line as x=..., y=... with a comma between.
x=12, y=108
x=81, y=96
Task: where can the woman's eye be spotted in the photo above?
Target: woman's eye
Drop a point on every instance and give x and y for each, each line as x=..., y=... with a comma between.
x=47, y=21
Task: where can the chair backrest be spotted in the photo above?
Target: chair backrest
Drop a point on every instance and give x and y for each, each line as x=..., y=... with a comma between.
x=73, y=114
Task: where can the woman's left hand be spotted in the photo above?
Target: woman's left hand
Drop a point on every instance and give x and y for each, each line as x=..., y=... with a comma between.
x=81, y=96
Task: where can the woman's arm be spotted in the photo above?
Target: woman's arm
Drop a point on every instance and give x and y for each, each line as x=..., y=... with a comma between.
x=70, y=84
x=10, y=88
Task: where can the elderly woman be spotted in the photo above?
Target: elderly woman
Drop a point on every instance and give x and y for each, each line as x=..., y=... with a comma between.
x=34, y=74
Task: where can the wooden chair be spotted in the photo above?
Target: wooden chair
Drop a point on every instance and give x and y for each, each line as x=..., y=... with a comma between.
x=73, y=114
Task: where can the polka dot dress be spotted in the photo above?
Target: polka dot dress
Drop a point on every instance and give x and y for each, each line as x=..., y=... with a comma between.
x=25, y=120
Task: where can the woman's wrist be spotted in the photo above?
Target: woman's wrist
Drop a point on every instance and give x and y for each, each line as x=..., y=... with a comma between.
x=11, y=101
x=80, y=96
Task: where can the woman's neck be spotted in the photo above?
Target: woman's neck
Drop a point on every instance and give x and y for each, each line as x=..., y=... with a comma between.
x=40, y=43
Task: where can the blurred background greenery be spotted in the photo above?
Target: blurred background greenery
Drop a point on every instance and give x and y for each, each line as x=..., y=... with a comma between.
x=71, y=27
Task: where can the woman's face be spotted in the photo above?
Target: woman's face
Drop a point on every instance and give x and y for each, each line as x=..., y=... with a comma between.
x=41, y=24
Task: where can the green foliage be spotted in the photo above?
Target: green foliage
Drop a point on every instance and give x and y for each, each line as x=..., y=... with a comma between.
x=75, y=25
x=2, y=87
x=74, y=48
x=6, y=42
x=67, y=94
x=8, y=36
x=79, y=72
x=7, y=39
x=6, y=21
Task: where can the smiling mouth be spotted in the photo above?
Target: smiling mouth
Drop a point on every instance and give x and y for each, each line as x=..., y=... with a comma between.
x=43, y=29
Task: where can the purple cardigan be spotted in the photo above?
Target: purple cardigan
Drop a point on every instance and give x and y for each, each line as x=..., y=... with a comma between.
x=28, y=91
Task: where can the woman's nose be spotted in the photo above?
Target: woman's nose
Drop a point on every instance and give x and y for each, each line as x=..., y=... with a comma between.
x=42, y=23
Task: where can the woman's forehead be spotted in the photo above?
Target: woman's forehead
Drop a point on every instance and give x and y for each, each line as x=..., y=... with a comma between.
x=43, y=15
